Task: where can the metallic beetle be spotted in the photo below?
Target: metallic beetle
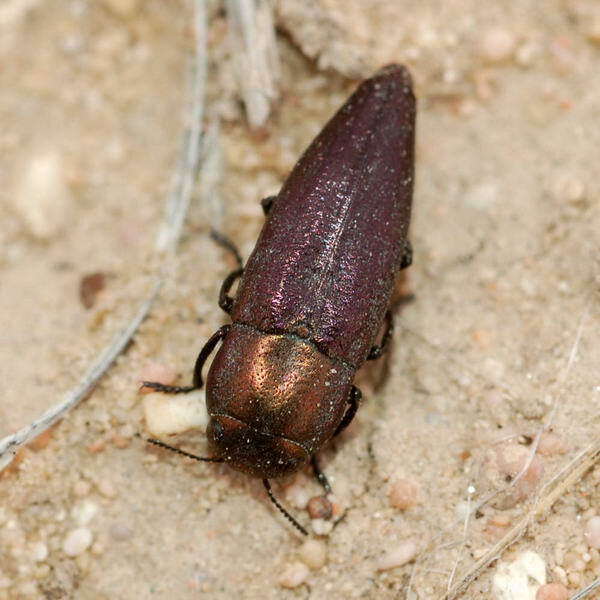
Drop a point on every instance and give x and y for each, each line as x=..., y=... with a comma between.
x=316, y=290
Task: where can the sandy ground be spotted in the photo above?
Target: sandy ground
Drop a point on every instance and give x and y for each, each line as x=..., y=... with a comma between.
x=505, y=232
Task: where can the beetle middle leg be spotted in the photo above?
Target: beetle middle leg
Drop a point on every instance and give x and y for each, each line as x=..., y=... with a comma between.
x=377, y=350
x=225, y=300
x=321, y=477
x=207, y=349
x=354, y=402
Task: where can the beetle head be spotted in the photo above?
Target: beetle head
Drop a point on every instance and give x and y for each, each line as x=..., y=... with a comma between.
x=251, y=451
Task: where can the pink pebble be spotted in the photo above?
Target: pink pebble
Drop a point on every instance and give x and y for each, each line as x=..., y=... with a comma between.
x=403, y=494
x=552, y=591
x=157, y=372
x=551, y=444
x=592, y=532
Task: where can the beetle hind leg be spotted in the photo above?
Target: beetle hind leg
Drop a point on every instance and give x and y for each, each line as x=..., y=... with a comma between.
x=353, y=403
x=377, y=350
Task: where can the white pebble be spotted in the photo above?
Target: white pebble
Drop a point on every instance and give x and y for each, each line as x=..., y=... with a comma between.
x=42, y=198
x=167, y=415
x=294, y=575
x=321, y=526
x=497, y=45
x=520, y=579
x=398, y=556
x=313, y=554
x=84, y=512
x=77, y=541
x=592, y=532
x=568, y=188
x=39, y=551
x=298, y=494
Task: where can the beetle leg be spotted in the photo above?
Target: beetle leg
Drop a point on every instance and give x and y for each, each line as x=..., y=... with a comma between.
x=213, y=340
x=321, y=477
x=267, y=204
x=228, y=245
x=354, y=402
x=377, y=350
x=226, y=301
x=406, y=259
x=284, y=512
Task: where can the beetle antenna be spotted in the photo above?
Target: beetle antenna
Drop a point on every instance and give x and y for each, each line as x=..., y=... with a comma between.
x=284, y=512
x=184, y=453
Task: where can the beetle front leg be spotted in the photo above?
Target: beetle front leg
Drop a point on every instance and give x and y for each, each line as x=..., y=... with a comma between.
x=212, y=341
x=353, y=404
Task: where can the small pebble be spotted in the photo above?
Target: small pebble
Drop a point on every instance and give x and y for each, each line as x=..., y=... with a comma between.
x=319, y=507
x=403, y=494
x=297, y=493
x=551, y=444
x=159, y=373
x=84, y=512
x=120, y=532
x=39, y=551
x=521, y=578
x=592, y=532
x=313, y=554
x=568, y=188
x=82, y=488
x=167, y=415
x=321, y=526
x=294, y=575
x=122, y=8
x=497, y=45
x=552, y=591
x=89, y=288
x=106, y=488
x=42, y=198
x=502, y=465
x=77, y=541
x=398, y=556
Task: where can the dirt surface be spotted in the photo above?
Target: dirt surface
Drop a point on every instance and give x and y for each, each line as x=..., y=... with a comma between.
x=500, y=342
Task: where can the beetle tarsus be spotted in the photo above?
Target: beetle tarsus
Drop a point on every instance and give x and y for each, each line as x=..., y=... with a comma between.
x=284, y=512
x=321, y=477
x=354, y=402
x=267, y=204
x=227, y=244
x=167, y=389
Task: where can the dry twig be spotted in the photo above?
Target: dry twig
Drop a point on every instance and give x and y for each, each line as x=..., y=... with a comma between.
x=177, y=205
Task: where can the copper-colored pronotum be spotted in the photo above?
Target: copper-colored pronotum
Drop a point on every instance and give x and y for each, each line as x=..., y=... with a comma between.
x=316, y=290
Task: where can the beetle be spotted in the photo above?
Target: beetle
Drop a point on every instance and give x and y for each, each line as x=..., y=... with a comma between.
x=315, y=292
